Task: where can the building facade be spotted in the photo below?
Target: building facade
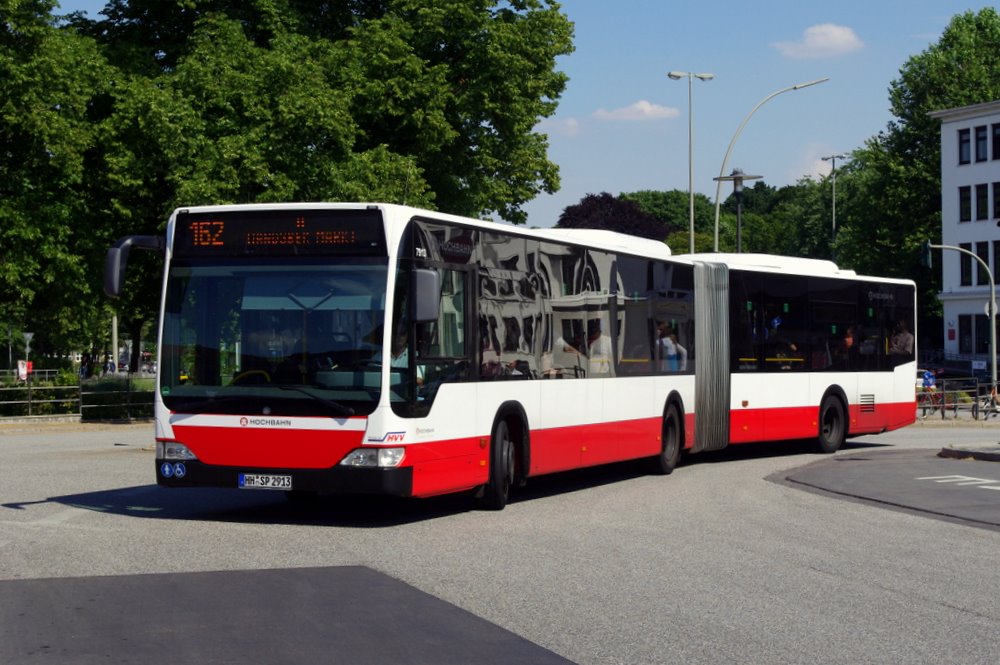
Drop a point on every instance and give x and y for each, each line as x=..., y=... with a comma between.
x=970, y=219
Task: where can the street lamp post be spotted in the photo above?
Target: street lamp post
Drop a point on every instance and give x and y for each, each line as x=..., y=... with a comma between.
x=833, y=182
x=737, y=177
x=690, y=77
x=739, y=130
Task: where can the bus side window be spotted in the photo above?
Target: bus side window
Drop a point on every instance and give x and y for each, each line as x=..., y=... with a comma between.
x=744, y=335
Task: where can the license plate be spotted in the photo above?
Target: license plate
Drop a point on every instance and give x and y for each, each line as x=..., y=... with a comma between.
x=264, y=481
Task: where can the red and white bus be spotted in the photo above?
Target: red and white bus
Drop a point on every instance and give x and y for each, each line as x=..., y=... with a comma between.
x=371, y=348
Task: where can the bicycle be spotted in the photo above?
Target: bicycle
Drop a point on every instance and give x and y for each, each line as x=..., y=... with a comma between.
x=987, y=405
x=929, y=399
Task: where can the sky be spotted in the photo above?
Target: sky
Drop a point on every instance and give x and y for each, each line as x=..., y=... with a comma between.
x=622, y=124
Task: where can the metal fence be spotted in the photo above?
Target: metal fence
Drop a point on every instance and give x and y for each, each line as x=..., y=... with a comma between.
x=120, y=397
x=958, y=398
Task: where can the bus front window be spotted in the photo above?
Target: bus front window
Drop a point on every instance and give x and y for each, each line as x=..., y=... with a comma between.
x=278, y=336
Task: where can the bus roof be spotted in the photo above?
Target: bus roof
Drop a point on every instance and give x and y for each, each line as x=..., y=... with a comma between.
x=608, y=240
x=597, y=238
x=774, y=263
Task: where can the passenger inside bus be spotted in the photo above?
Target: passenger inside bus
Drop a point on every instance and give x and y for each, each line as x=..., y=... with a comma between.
x=781, y=352
x=291, y=366
x=901, y=344
x=598, y=349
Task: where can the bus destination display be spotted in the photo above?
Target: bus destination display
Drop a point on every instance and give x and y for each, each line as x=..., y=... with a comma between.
x=280, y=233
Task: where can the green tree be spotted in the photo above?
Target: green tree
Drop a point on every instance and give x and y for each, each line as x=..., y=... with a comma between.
x=49, y=81
x=800, y=220
x=453, y=87
x=604, y=211
x=673, y=209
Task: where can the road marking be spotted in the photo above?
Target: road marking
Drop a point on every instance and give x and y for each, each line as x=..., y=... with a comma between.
x=965, y=481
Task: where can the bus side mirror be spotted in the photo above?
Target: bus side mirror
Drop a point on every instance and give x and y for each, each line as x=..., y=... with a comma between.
x=117, y=258
x=426, y=295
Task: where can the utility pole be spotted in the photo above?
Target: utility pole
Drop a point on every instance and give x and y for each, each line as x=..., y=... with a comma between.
x=833, y=181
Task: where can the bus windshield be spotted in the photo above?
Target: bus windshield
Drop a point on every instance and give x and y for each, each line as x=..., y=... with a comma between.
x=277, y=336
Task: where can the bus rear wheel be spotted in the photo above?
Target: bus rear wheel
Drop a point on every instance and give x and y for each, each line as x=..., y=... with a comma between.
x=496, y=492
x=670, y=452
x=832, y=425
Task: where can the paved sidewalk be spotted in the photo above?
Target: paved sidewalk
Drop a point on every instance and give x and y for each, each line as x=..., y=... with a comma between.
x=915, y=480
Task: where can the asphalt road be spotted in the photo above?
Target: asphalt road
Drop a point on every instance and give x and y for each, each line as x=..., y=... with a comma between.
x=723, y=561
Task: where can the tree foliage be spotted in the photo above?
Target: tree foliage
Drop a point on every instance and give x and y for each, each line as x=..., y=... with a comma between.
x=673, y=209
x=49, y=79
x=612, y=213
x=441, y=96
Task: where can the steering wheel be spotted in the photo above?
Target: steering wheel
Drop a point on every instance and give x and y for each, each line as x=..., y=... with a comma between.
x=251, y=372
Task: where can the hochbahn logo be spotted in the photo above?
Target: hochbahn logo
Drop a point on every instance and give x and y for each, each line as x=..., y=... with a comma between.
x=265, y=422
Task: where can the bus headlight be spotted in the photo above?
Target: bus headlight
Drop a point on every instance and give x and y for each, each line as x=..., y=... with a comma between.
x=374, y=457
x=173, y=450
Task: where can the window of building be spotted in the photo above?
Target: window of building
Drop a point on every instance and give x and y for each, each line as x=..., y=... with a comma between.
x=996, y=141
x=965, y=333
x=966, y=265
x=983, y=252
x=981, y=155
x=996, y=260
x=982, y=335
x=964, y=146
x=982, y=201
x=996, y=200
x=965, y=204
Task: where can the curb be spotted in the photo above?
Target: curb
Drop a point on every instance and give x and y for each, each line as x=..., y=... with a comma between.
x=990, y=454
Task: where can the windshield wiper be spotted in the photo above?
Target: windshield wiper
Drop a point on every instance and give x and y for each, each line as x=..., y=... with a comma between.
x=336, y=407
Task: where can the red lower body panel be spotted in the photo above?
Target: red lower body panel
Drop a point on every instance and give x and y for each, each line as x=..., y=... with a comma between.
x=747, y=426
x=455, y=465
x=563, y=448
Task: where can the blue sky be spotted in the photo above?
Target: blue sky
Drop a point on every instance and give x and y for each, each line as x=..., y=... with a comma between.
x=622, y=125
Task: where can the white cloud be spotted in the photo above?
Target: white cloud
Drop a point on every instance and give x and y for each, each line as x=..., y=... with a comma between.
x=814, y=168
x=812, y=165
x=822, y=41
x=559, y=126
x=641, y=110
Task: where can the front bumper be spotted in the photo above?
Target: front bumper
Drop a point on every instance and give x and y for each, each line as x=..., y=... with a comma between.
x=335, y=480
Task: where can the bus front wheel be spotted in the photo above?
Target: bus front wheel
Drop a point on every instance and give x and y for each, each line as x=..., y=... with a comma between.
x=496, y=492
x=832, y=425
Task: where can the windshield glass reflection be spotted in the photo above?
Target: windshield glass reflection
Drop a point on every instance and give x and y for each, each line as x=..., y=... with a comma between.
x=236, y=337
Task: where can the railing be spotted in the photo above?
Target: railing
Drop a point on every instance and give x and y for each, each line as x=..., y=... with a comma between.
x=119, y=397
x=33, y=400
x=10, y=375
x=953, y=398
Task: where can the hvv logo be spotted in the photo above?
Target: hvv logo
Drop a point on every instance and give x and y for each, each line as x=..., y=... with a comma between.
x=390, y=437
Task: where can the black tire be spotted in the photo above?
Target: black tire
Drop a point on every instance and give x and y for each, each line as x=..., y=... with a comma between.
x=832, y=425
x=496, y=492
x=670, y=452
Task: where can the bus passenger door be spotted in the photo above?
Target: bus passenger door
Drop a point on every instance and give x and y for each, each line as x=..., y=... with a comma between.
x=748, y=381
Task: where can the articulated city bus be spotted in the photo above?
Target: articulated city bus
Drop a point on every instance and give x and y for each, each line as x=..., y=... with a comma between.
x=371, y=348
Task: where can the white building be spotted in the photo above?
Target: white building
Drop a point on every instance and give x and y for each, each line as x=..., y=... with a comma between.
x=970, y=215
